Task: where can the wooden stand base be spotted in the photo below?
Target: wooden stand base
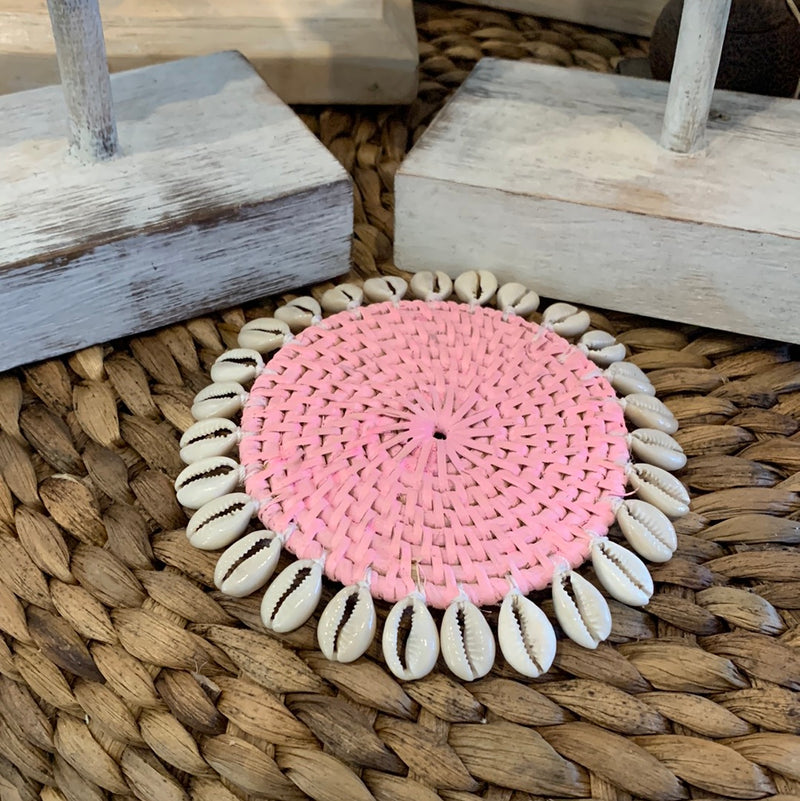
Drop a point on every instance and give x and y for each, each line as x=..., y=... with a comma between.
x=221, y=195
x=309, y=51
x=627, y=16
x=555, y=177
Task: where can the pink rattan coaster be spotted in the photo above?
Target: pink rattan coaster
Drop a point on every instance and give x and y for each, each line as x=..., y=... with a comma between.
x=433, y=454
x=435, y=443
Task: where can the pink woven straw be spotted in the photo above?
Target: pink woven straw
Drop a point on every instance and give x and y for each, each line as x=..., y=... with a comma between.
x=435, y=445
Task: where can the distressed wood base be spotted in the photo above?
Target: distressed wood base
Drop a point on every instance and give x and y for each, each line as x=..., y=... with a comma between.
x=221, y=195
x=555, y=177
x=309, y=51
x=627, y=16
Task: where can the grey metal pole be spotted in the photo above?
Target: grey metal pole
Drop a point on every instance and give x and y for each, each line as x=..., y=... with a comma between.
x=694, y=73
x=81, y=51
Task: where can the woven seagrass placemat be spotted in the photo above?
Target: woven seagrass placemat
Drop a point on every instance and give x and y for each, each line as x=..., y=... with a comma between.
x=122, y=674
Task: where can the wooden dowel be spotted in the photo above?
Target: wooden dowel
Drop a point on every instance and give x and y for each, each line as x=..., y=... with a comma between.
x=81, y=52
x=694, y=73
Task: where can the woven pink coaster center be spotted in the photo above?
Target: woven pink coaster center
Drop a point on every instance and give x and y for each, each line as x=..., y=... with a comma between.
x=434, y=443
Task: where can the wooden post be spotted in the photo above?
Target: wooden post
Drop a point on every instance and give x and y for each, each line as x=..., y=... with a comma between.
x=81, y=52
x=694, y=73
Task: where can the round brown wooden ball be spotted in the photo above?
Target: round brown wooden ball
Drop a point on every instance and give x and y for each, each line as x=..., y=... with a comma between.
x=761, y=53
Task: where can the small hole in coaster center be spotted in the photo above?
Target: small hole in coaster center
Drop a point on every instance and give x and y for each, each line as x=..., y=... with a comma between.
x=439, y=434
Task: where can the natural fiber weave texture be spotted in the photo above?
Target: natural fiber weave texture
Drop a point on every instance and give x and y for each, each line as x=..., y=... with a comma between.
x=123, y=674
x=435, y=444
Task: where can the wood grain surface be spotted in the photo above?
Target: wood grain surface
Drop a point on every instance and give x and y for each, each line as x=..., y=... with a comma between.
x=309, y=51
x=220, y=193
x=557, y=177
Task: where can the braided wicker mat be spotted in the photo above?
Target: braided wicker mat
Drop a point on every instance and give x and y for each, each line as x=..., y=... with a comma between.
x=123, y=674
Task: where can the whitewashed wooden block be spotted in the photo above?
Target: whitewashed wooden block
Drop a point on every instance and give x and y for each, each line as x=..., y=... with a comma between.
x=221, y=195
x=628, y=16
x=556, y=178
x=309, y=51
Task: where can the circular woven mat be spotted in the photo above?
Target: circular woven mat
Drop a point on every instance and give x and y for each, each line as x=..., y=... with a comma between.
x=123, y=674
x=350, y=416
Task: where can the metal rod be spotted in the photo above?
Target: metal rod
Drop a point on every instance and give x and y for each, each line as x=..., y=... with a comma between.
x=81, y=51
x=694, y=73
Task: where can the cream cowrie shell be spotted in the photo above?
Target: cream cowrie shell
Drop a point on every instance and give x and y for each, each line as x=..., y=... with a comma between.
x=467, y=642
x=222, y=399
x=431, y=286
x=565, y=319
x=581, y=610
x=517, y=299
x=601, y=347
x=248, y=564
x=624, y=575
x=203, y=481
x=347, y=625
x=628, y=379
x=647, y=529
x=527, y=640
x=292, y=597
x=656, y=448
x=214, y=436
x=342, y=298
x=662, y=489
x=222, y=520
x=414, y=655
x=476, y=287
x=645, y=411
x=299, y=313
x=241, y=365
x=385, y=288
x=264, y=335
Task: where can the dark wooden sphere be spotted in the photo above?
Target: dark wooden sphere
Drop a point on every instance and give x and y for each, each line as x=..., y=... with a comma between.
x=761, y=53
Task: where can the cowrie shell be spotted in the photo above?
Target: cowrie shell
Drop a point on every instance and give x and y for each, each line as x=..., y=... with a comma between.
x=246, y=566
x=207, y=479
x=431, y=286
x=476, y=287
x=219, y=522
x=341, y=298
x=467, y=642
x=347, y=625
x=223, y=399
x=601, y=347
x=662, y=489
x=215, y=436
x=622, y=573
x=527, y=639
x=517, y=299
x=241, y=365
x=647, y=529
x=656, y=448
x=645, y=411
x=565, y=319
x=292, y=598
x=385, y=288
x=264, y=334
x=628, y=379
x=414, y=655
x=581, y=610
x=299, y=313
